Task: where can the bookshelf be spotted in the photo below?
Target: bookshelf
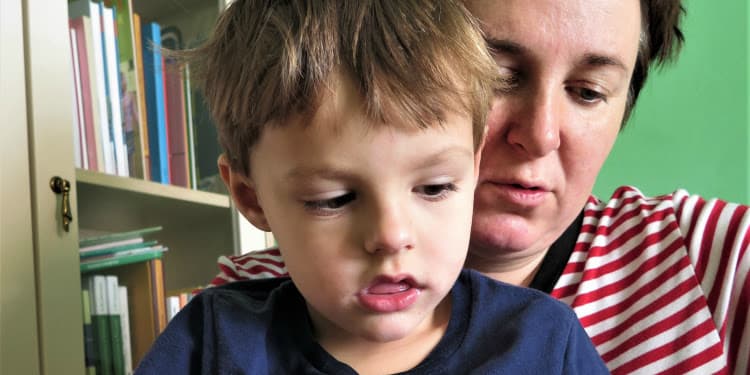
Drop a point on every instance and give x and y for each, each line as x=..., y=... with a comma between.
x=40, y=282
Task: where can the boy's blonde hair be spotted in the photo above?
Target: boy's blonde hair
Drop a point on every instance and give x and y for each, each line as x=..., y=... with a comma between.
x=411, y=60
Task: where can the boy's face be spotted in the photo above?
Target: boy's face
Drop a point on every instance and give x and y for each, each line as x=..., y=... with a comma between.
x=373, y=221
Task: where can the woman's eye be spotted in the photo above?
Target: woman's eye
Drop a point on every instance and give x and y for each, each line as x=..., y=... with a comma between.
x=436, y=191
x=330, y=204
x=588, y=96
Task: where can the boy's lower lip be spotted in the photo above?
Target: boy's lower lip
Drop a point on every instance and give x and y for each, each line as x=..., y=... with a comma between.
x=393, y=301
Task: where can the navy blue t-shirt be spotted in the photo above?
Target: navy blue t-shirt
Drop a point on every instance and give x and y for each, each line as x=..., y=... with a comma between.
x=263, y=327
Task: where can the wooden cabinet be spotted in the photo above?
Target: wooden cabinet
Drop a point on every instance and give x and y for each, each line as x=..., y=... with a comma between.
x=40, y=315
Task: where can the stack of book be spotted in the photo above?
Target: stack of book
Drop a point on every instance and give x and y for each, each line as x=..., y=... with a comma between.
x=136, y=113
x=123, y=297
x=106, y=326
x=100, y=251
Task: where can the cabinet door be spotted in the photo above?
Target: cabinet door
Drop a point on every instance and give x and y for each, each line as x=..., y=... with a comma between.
x=18, y=330
x=49, y=92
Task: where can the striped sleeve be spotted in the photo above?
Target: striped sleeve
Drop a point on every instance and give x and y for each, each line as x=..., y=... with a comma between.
x=717, y=238
x=253, y=265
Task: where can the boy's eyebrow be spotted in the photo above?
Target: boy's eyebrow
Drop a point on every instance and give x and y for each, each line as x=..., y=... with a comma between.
x=504, y=46
x=429, y=160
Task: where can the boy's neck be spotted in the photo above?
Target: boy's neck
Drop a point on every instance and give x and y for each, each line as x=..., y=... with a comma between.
x=372, y=357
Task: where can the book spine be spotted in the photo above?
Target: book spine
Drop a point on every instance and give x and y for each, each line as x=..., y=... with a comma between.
x=156, y=115
x=138, y=52
x=115, y=250
x=79, y=126
x=88, y=333
x=100, y=324
x=114, y=89
x=123, y=253
x=119, y=261
x=115, y=325
x=127, y=352
x=108, y=153
x=177, y=137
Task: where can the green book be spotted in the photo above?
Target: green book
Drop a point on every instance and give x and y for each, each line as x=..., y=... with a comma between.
x=120, y=260
x=100, y=324
x=88, y=333
x=114, y=237
x=115, y=327
x=117, y=249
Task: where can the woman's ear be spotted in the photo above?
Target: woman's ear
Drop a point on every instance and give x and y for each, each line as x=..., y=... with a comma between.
x=244, y=194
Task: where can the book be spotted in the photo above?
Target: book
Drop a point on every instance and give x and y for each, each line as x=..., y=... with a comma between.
x=127, y=353
x=79, y=126
x=100, y=323
x=147, y=309
x=155, y=102
x=113, y=89
x=91, y=238
x=173, y=306
x=129, y=86
x=88, y=333
x=94, y=47
x=100, y=264
x=174, y=90
x=138, y=52
x=115, y=325
x=190, y=128
x=119, y=249
x=82, y=28
x=123, y=254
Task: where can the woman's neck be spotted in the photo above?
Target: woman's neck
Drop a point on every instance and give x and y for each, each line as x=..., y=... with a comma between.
x=513, y=269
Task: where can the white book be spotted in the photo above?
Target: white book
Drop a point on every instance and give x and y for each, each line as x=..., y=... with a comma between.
x=108, y=153
x=173, y=306
x=127, y=353
x=113, y=93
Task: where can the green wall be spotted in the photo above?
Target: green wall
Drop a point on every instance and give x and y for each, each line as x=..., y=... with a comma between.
x=691, y=126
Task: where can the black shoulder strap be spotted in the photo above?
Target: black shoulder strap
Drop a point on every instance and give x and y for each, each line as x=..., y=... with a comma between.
x=557, y=257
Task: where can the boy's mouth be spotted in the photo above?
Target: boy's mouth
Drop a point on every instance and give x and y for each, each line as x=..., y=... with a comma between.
x=387, y=294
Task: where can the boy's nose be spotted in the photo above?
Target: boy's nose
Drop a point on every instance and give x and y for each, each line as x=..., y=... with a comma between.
x=389, y=230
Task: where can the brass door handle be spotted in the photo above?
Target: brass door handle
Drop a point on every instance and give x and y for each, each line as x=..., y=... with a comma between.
x=62, y=186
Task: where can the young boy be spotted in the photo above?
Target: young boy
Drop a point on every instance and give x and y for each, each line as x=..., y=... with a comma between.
x=353, y=129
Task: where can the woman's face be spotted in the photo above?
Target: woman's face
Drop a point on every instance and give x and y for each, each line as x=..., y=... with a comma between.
x=570, y=64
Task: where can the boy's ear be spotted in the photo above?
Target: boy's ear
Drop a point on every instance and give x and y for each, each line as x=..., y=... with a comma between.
x=244, y=194
x=478, y=153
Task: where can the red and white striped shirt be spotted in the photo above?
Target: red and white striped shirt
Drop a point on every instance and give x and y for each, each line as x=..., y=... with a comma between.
x=660, y=284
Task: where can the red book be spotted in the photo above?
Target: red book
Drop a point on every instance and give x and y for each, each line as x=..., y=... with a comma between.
x=77, y=24
x=174, y=88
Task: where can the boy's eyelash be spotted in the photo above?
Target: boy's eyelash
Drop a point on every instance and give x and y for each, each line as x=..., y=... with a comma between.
x=441, y=190
x=329, y=205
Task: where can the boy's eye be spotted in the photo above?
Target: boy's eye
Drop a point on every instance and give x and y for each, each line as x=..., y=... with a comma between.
x=330, y=204
x=436, y=191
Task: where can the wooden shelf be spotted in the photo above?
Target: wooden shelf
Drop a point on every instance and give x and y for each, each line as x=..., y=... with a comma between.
x=197, y=225
x=96, y=180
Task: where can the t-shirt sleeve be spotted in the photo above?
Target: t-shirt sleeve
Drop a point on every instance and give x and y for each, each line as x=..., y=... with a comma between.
x=717, y=234
x=262, y=264
x=580, y=355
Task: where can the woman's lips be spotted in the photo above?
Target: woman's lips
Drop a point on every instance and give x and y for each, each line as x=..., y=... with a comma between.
x=389, y=294
x=521, y=195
